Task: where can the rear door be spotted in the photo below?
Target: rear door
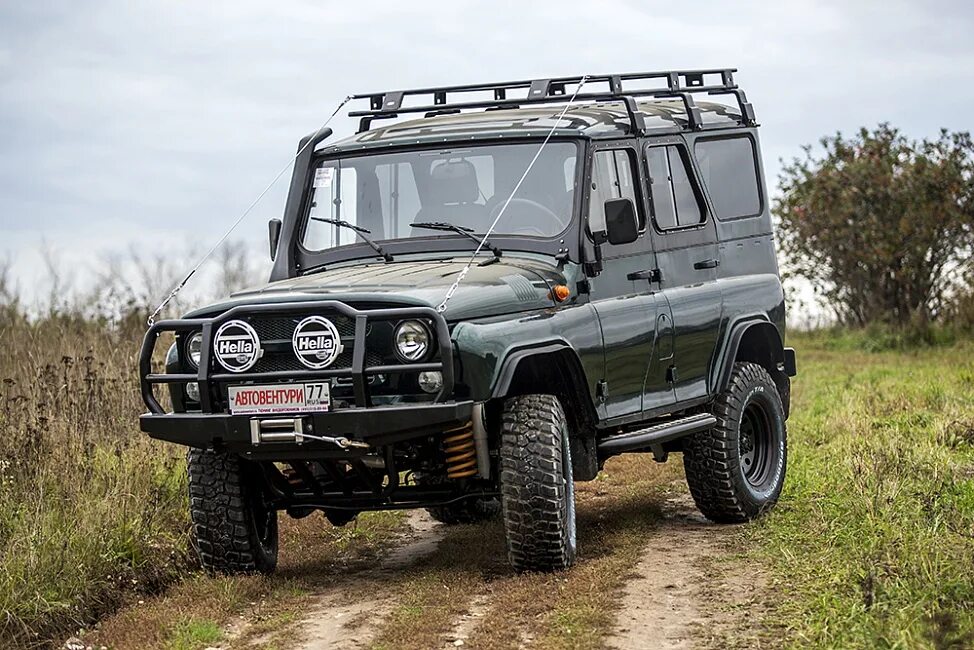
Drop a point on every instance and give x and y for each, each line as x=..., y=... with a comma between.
x=685, y=240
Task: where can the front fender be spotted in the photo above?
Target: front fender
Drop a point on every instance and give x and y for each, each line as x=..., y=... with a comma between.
x=489, y=350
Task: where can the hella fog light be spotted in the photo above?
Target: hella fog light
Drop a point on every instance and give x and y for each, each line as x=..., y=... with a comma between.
x=194, y=347
x=412, y=340
x=431, y=382
x=193, y=391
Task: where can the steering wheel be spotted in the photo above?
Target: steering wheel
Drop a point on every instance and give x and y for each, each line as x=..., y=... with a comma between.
x=538, y=208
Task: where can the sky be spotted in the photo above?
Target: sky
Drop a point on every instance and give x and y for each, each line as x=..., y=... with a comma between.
x=150, y=126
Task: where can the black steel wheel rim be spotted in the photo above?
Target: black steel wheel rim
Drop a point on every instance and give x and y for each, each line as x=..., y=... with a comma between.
x=757, y=446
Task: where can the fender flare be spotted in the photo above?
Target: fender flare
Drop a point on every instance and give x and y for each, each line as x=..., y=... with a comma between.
x=780, y=356
x=513, y=358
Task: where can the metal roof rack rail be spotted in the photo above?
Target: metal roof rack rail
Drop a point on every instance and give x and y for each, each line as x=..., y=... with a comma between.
x=679, y=84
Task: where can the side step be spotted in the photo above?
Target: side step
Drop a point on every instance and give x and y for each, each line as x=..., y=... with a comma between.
x=656, y=434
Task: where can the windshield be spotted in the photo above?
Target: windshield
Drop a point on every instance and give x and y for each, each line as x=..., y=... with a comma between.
x=465, y=187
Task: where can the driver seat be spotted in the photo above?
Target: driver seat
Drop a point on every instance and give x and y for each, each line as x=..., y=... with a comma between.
x=452, y=196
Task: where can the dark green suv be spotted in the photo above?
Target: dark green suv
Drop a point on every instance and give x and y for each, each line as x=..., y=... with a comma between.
x=471, y=310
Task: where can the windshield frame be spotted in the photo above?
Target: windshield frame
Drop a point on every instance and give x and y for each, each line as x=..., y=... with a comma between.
x=434, y=241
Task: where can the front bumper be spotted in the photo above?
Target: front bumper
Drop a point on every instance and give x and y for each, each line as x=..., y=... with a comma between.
x=213, y=426
x=375, y=426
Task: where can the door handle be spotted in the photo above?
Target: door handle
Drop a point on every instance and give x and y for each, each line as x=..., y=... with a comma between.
x=653, y=275
x=706, y=264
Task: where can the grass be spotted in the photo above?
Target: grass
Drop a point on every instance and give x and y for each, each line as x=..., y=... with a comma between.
x=571, y=609
x=872, y=544
x=90, y=509
x=193, y=634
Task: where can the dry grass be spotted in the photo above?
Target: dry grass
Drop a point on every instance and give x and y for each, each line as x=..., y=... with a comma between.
x=314, y=556
x=571, y=609
x=90, y=509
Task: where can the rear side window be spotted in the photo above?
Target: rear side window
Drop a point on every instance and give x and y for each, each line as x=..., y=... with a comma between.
x=674, y=200
x=613, y=177
x=729, y=171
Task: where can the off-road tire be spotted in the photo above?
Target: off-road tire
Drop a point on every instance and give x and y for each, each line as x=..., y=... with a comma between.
x=537, y=488
x=722, y=467
x=233, y=531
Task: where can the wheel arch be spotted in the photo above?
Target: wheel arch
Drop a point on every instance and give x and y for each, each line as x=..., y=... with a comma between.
x=759, y=341
x=555, y=368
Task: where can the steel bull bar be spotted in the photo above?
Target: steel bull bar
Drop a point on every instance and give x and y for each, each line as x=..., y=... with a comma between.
x=363, y=421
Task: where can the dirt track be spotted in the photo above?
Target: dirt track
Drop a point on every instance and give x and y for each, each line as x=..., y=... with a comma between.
x=665, y=582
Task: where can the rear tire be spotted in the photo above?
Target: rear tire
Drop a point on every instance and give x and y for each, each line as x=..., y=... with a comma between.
x=233, y=529
x=736, y=470
x=537, y=488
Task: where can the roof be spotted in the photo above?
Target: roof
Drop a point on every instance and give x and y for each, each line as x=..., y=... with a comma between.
x=598, y=120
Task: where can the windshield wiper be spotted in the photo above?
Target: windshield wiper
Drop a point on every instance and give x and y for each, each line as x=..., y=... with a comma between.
x=460, y=230
x=360, y=231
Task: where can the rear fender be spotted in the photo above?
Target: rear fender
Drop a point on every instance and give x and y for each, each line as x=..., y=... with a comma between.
x=759, y=341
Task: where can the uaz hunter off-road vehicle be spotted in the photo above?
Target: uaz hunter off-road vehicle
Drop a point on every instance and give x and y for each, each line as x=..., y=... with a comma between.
x=627, y=300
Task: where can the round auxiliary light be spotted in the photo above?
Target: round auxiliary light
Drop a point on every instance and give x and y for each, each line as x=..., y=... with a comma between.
x=431, y=381
x=193, y=391
x=194, y=348
x=413, y=340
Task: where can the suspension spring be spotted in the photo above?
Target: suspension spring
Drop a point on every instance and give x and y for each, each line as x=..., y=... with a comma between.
x=461, y=452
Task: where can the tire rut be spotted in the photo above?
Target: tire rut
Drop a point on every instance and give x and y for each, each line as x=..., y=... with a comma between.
x=335, y=622
x=342, y=618
x=680, y=598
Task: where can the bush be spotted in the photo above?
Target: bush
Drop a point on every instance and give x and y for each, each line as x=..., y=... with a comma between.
x=881, y=226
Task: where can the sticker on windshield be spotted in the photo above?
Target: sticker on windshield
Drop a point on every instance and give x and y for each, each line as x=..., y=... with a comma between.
x=323, y=176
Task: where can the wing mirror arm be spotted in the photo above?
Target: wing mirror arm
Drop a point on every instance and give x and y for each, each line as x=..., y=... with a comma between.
x=595, y=267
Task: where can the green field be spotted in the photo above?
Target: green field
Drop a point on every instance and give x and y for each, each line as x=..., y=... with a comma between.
x=871, y=546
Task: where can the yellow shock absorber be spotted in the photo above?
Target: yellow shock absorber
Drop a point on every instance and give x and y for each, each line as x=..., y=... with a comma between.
x=461, y=452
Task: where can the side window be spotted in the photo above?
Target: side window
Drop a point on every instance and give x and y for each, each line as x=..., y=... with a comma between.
x=613, y=177
x=729, y=171
x=673, y=198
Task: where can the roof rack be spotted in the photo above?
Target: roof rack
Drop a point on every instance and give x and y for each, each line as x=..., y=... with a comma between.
x=680, y=84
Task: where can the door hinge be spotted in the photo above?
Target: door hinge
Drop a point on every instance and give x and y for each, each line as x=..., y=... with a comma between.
x=602, y=390
x=671, y=375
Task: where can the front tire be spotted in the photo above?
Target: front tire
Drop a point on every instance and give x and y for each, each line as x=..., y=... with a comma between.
x=233, y=529
x=537, y=487
x=736, y=470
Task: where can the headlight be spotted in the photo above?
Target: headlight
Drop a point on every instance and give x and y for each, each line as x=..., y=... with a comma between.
x=412, y=340
x=194, y=348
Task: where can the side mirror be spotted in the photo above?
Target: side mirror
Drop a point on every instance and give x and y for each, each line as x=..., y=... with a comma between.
x=274, y=234
x=621, y=223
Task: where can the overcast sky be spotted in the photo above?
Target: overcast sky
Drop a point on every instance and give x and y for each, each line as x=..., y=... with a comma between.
x=156, y=123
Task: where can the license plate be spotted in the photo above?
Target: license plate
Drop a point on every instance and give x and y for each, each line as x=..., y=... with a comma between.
x=280, y=398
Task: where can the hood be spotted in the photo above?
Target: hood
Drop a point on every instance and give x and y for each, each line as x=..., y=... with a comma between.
x=511, y=285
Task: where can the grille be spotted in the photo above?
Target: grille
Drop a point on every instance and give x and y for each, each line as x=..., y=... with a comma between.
x=283, y=361
x=282, y=327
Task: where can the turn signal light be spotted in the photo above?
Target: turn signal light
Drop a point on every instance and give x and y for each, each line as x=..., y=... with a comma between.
x=560, y=293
